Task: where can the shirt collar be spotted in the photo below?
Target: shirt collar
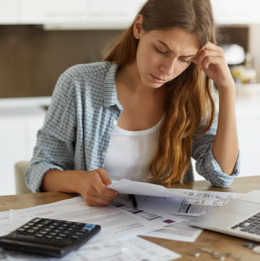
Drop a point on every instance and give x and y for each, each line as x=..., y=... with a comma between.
x=110, y=93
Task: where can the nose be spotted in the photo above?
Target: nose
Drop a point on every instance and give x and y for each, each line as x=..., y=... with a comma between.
x=169, y=66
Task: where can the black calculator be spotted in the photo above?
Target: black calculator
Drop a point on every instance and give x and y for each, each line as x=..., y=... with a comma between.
x=49, y=237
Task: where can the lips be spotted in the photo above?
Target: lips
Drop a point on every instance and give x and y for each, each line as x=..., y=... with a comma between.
x=157, y=80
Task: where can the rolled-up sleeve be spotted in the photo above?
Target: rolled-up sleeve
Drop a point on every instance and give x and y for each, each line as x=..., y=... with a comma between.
x=206, y=164
x=55, y=140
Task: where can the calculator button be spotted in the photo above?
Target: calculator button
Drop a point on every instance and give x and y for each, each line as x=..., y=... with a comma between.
x=49, y=237
x=59, y=238
x=26, y=226
x=47, y=229
x=31, y=231
x=57, y=230
x=43, y=232
x=21, y=230
x=74, y=237
x=55, y=223
x=46, y=222
x=34, y=227
x=80, y=226
x=62, y=235
x=39, y=235
x=39, y=225
x=53, y=234
x=79, y=234
x=36, y=220
x=88, y=227
x=51, y=227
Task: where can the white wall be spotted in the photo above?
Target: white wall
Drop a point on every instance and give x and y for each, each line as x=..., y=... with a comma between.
x=254, y=46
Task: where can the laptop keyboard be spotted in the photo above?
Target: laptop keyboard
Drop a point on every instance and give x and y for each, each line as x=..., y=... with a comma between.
x=250, y=225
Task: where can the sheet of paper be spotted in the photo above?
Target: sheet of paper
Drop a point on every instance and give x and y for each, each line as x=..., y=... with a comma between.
x=175, y=227
x=116, y=224
x=64, y=202
x=133, y=249
x=3, y=255
x=146, y=189
x=180, y=231
x=183, y=206
x=151, y=215
x=8, y=225
x=4, y=215
x=221, y=198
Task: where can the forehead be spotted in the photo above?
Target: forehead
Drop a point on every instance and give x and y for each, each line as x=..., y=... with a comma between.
x=177, y=40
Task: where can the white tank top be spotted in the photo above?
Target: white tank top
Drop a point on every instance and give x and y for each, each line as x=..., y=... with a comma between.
x=130, y=153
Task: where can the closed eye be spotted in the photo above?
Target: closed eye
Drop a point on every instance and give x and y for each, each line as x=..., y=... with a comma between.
x=185, y=61
x=165, y=53
x=161, y=52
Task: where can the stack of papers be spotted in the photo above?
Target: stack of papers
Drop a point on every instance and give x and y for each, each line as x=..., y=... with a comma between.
x=166, y=216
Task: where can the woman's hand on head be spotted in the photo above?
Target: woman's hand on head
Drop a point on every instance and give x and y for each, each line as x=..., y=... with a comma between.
x=93, y=188
x=210, y=58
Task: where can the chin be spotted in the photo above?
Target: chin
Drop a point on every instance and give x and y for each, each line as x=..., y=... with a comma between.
x=148, y=82
x=153, y=85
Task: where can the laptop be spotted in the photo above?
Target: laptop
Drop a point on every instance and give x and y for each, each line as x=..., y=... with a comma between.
x=240, y=217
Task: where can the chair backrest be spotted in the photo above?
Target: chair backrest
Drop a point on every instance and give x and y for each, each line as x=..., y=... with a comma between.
x=20, y=184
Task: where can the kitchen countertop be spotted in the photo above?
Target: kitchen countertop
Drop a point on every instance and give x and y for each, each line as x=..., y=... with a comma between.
x=35, y=105
x=25, y=102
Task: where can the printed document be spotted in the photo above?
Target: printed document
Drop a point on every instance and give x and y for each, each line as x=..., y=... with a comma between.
x=180, y=231
x=4, y=215
x=200, y=204
x=219, y=197
x=8, y=225
x=126, y=186
x=175, y=227
x=2, y=255
x=116, y=223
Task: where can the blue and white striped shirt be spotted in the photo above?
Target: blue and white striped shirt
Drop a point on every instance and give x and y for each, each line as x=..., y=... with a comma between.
x=79, y=124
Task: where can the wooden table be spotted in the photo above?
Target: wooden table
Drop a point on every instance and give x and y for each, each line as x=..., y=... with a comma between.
x=215, y=241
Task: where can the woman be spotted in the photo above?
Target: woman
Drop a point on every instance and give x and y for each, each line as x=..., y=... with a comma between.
x=143, y=112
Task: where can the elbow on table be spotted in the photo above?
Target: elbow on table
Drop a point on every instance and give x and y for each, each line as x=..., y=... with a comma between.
x=222, y=183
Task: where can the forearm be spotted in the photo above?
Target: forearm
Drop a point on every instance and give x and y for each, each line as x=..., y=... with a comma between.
x=225, y=146
x=62, y=181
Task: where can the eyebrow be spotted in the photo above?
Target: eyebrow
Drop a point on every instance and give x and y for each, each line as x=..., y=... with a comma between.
x=192, y=55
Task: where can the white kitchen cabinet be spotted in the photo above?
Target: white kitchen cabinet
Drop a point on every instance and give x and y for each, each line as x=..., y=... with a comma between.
x=18, y=128
x=114, y=10
x=8, y=12
x=248, y=125
x=236, y=11
x=104, y=14
x=53, y=11
x=12, y=148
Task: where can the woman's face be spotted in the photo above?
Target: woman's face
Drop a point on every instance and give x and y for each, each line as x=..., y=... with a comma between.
x=163, y=55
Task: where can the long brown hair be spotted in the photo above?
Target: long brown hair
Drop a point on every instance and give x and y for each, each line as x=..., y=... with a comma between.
x=190, y=108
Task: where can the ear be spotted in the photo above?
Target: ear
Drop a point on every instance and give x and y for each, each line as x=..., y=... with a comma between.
x=138, y=27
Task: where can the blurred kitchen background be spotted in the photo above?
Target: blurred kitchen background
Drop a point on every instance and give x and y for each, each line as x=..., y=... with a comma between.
x=40, y=39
